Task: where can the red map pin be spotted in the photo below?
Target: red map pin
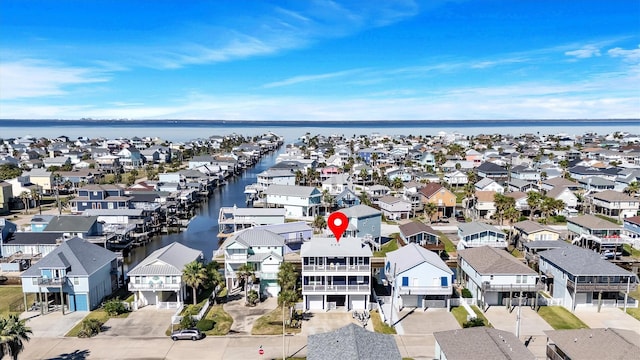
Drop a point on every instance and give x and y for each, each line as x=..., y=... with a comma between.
x=338, y=223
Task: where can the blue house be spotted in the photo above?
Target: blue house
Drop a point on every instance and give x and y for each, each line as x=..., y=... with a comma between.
x=101, y=197
x=631, y=227
x=364, y=221
x=77, y=276
x=6, y=229
x=347, y=198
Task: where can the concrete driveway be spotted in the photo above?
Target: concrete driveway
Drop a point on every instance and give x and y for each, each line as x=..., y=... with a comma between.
x=243, y=316
x=607, y=318
x=145, y=322
x=426, y=322
x=53, y=324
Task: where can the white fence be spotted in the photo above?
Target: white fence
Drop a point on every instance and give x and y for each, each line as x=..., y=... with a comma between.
x=176, y=318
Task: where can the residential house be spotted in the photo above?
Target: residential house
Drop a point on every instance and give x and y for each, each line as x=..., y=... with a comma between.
x=101, y=197
x=520, y=200
x=594, y=233
x=232, y=219
x=631, y=227
x=598, y=343
x=108, y=163
x=473, y=156
x=336, y=184
x=549, y=184
x=58, y=161
x=479, y=343
x=377, y=191
x=478, y=234
x=484, y=204
x=595, y=184
x=456, y=178
x=29, y=244
x=364, y=222
x=42, y=178
x=298, y=201
x=525, y=173
x=567, y=196
x=615, y=204
x=6, y=229
x=84, y=227
x=336, y=274
x=347, y=198
x=421, y=234
x=352, y=342
x=532, y=248
x=293, y=232
x=276, y=176
x=442, y=197
x=521, y=185
x=394, y=208
x=487, y=184
x=492, y=171
x=580, y=277
x=262, y=250
x=6, y=194
x=77, y=276
x=418, y=278
x=528, y=230
x=130, y=158
x=494, y=277
x=157, y=280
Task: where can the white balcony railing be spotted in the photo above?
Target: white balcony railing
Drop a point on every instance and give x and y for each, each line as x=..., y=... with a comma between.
x=425, y=290
x=475, y=243
x=337, y=289
x=267, y=275
x=337, y=268
x=154, y=286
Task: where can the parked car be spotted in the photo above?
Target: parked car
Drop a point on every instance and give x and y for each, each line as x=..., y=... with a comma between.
x=187, y=334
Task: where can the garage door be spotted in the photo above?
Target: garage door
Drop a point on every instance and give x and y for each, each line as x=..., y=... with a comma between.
x=581, y=298
x=81, y=303
x=357, y=302
x=411, y=301
x=315, y=302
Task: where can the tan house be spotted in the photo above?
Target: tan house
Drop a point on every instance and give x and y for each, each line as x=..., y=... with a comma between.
x=437, y=194
x=6, y=193
x=528, y=230
x=42, y=178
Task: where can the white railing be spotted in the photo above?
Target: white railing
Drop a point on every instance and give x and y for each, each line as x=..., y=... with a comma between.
x=460, y=301
x=425, y=290
x=337, y=268
x=154, y=286
x=336, y=289
x=497, y=244
x=267, y=275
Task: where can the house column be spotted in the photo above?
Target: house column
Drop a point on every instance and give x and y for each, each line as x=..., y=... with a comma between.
x=61, y=300
x=135, y=300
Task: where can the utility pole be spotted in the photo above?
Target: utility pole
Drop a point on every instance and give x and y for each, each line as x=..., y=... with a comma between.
x=392, y=296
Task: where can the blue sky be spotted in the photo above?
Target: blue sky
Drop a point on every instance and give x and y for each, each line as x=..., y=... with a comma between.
x=320, y=60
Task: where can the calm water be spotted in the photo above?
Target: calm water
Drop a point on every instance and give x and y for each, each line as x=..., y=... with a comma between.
x=203, y=230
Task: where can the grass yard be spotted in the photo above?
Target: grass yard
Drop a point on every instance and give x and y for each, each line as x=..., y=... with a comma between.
x=11, y=299
x=389, y=246
x=221, y=319
x=449, y=246
x=634, y=253
x=560, y=318
x=99, y=314
x=271, y=324
x=379, y=326
x=461, y=315
x=635, y=312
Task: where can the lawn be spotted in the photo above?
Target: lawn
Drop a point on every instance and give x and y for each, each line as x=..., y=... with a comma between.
x=221, y=319
x=635, y=312
x=389, y=246
x=449, y=246
x=560, y=318
x=379, y=326
x=271, y=324
x=461, y=315
x=99, y=314
x=634, y=253
x=11, y=299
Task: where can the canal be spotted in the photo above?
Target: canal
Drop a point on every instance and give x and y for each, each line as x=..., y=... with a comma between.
x=203, y=229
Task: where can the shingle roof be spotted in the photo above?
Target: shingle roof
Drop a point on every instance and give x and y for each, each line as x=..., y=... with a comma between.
x=359, y=211
x=488, y=260
x=29, y=238
x=489, y=167
x=169, y=260
x=476, y=227
x=600, y=343
x=611, y=195
x=633, y=220
x=83, y=257
x=412, y=255
x=430, y=189
x=481, y=343
x=578, y=261
x=529, y=227
x=74, y=223
x=485, y=196
x=352, y=342
x=593, y=222
x=546, y=244
x=416, y=227
x=331, y=247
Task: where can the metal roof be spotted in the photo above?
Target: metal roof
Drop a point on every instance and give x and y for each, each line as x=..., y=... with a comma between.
x=331, y=247
x=169, y=260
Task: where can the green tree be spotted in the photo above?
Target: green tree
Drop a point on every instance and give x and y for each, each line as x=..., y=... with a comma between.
x=364, y=175
x=25, y=196
x=319, y=222
x=9, y=171
x=511, y=214
x=288, y=281
x=194, y=275
x=90, y=328
x=534, y=200
x=13, y=334
x=214, y=278
x=502, y=203
x=632, y=189
x=429, y=210
x=245, y=273
x=114, y=307
x=397, y=183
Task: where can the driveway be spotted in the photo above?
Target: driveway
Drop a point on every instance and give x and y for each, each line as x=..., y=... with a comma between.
x=426, y=322
x=607, y=318
x=53, y=324
x=243, y=316
x=532, y=327
x=145, y=322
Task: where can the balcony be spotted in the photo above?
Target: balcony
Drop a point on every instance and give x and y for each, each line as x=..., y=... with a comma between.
x=337, y=268
x=425, y=290
x=600, y=286
x=46, y=282
x=512, y=287
x=478, y=243
x=154, y=286
x=266, y=275
x=235, y=258
x=337, y=289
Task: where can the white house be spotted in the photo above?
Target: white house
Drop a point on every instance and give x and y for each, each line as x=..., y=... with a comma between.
x=157, y=280
x=298, y=201
x=395, y=208
x=494, y=277
x=456, y=178
x=337, y=183
x=487, y=184
x=614, y=203
x=336, y=274
x=477, y=234
x=418, y=278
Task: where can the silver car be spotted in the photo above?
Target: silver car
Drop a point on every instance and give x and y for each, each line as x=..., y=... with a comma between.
x=187, y=334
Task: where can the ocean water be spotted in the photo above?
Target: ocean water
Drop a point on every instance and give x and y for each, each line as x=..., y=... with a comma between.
x=184, y=130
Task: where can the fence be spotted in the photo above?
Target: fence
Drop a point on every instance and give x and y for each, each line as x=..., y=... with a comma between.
x=177, y=318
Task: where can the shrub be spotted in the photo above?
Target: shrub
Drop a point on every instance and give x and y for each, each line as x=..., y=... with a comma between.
x=90, y=327
x=473, y=323
x=114, y=307
x=205, y=325
x=187, y=322
x=192, y=310
x=252, y=298
x=466, y=293
x=560, y=219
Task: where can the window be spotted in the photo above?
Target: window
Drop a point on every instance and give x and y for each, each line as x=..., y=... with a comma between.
x=518, y=279
x=76, y=281
x=34, y=281
x=405, y=281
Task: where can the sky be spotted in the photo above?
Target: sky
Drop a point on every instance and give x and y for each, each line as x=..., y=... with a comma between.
x=320, y=60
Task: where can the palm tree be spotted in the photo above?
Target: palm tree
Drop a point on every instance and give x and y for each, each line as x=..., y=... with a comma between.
x=533, y=200
x=469, y=193
x=633, y=189
x=429, y=210
x=511, y=214
x=35, y=195
x=13, y=333
x=502, y=203
x=397, y=183
x=327, y=199
x=25, y=197
x=244, y=273
x=194, y=274
x=319, y=222
x=288, y=280
x=363, y=176
x=214, y=278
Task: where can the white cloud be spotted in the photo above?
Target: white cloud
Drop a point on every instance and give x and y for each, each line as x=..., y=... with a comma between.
x=308, y=78
x=632, y=55
x=35, y=78
x=584, y=53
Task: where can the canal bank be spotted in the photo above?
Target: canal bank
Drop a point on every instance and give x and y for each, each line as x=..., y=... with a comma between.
x=203, y=229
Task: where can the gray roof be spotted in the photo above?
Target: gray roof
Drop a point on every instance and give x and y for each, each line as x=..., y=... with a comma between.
x=352, y=342
x=169, y=260
x=83, y=257
x=259, y=211
x=416, y=227
x=578, y=261
x=359, y=211
x=481, y=343
x=291, y=190
x=113, y=212
x=610, y=195
x=331, y=247
x=476, y=227
x=597, y=343
x=546, y=244
x=256, y=237
x=297, y=226
x=71, y=223
x=32, y=238
x=488, y=260
x=413, y=255
x=593, y=222
x=484, y=182
x=529, y=227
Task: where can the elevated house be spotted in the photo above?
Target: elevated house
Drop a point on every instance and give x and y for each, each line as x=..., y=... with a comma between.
x=492, y=171
x=592, y=232
x=418, y=278
x=29, y=245
x=298, y=201
x=293, y=232
x=580, y=277
x=599, y=343
x=100, y=197
x=232, y=219
x=480, y=343
x=76, y=276
x=484, y=205
x=364, y=222
x=347, y=198
x=596, y=184
x=487, y=184
x=549, y=184
x=157, y=280
x=477, y=234
x=631, y=227
x=336, y=274
x=442, y=197
x=567, y=196
x=532, y=248
x=419, y=233
x=615, y=204
x=394, y=208
x=6, y=229
x=494, y=277
x=528, y=230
